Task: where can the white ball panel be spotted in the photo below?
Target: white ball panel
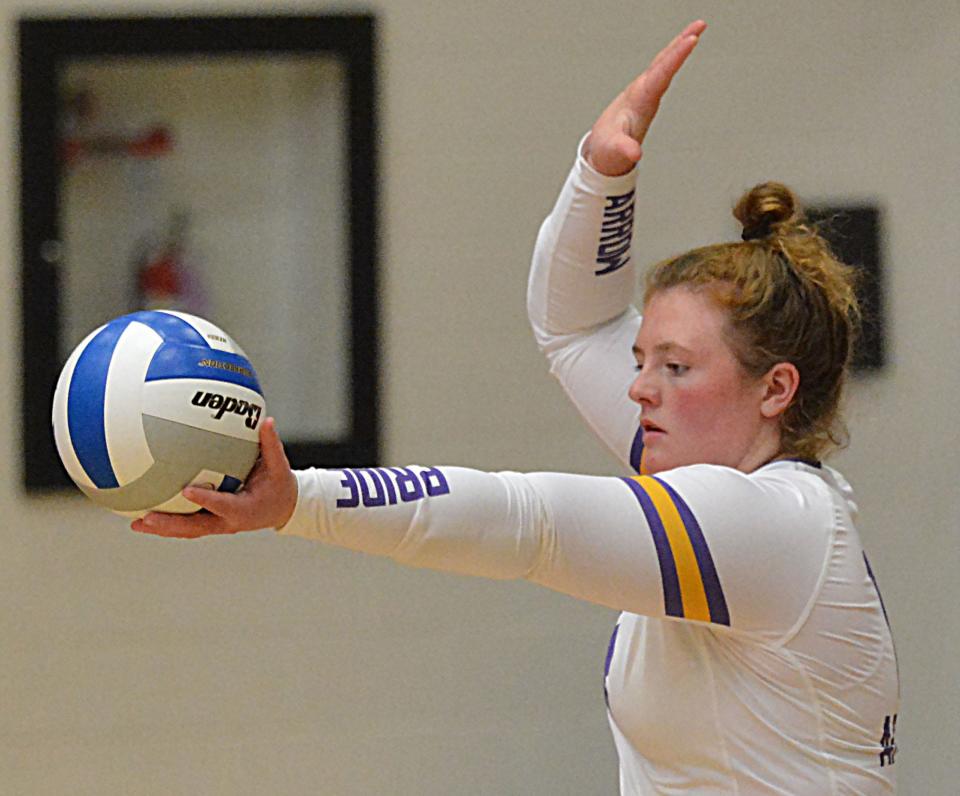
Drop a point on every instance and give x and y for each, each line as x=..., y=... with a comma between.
x=172, y=399
x=126, y=441
x=61, y=427
x=214, y=335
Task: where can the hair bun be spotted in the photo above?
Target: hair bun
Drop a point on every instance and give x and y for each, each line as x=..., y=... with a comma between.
x=764, y=207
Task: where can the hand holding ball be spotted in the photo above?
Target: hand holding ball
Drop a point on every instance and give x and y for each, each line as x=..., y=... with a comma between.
x=152, y=402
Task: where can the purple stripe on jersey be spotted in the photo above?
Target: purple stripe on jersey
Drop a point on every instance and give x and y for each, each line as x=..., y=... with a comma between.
x=672, y=600
x=809, y=462
x=636, y=450
x=613, y=643
x=716, y=602
x=606, y=666
x=876, y=587
x=877, y=590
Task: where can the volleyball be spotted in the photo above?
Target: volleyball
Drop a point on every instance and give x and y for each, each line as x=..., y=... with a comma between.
x=152, y=402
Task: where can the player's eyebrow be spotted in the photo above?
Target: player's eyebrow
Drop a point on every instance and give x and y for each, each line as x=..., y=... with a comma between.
x=662, y=348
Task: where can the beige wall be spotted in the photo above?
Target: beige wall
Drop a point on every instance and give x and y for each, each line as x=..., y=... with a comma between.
x=254, y=665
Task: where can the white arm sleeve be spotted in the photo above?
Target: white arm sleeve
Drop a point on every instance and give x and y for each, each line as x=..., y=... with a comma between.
x=579, y=296
x=700, y=543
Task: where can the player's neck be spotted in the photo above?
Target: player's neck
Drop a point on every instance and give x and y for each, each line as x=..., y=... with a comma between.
x=765, y=449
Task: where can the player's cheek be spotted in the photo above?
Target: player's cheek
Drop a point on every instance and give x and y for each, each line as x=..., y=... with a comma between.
x=696, y=410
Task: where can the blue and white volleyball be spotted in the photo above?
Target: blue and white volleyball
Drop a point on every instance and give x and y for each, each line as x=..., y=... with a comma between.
x=152, y=402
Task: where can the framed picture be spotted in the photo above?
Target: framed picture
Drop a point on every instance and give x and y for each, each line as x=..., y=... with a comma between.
x=220, y=166
x=854, y=232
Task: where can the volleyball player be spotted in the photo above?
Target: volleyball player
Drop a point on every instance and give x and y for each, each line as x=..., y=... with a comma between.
x=752, y=654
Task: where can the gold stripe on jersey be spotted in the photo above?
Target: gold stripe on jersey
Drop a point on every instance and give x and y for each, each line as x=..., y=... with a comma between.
x=692, y=591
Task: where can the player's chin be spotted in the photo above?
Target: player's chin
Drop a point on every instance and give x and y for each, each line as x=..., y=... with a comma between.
x=653, y=458
x=658, y=458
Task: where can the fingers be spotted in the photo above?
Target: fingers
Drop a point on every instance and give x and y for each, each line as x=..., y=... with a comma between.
x=180, y=526
x=192, y=526
x=671, y=57
x=267, y=499
x=218, y=503
x=650, y=86
x=694, y=29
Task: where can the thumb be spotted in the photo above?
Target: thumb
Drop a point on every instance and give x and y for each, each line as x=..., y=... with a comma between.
x=630, y=148
x=271, y=447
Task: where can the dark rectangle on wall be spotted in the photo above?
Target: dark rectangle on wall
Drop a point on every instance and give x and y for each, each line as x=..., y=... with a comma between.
x=854, y=233
x=48, y=49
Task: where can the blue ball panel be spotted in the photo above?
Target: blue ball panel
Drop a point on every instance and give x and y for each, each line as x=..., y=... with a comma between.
x=171, y=328
x=175, y=361
x=85, y=406
x=229, y=484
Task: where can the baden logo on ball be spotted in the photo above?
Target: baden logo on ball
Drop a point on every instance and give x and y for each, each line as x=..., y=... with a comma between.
x=222, y=404
x=152, y=402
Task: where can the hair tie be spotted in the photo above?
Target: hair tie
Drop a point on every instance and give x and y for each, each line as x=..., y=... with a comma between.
x=756, y=231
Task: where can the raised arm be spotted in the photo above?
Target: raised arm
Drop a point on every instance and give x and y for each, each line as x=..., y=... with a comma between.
x=583, y=276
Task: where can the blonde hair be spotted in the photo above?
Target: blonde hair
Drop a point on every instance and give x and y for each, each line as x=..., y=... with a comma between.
x=789, y=299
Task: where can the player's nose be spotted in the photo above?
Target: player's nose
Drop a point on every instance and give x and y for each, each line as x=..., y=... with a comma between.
x=643, y=391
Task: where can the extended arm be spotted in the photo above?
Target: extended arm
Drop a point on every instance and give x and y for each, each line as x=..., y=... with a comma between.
x=701, y=543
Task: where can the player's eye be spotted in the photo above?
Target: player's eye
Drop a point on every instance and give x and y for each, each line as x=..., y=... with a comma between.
x=677, y=369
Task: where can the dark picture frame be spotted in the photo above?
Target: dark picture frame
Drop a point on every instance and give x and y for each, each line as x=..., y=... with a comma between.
x=46, y=45
x=855, y=234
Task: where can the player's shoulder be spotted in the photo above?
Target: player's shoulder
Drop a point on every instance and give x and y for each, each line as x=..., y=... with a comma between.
x=811, y=478
x=789, y=474
x=768, y=532
x=793, y=490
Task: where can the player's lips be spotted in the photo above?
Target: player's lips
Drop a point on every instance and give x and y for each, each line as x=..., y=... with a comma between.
x=651, y=428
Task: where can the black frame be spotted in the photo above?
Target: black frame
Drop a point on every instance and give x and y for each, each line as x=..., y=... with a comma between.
x=44, y=45
x=854, y=232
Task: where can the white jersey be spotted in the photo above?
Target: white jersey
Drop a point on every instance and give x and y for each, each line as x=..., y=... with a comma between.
x=752, y=654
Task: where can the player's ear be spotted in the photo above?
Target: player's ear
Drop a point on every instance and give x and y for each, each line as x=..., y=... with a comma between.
x=780, y=385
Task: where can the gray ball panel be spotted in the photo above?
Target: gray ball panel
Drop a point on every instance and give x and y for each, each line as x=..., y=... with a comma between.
x=179, y=452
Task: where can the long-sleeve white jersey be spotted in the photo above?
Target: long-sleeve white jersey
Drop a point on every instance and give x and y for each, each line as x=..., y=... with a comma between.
x=752, y=654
